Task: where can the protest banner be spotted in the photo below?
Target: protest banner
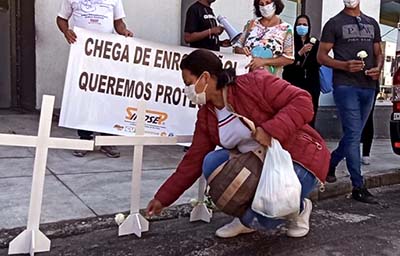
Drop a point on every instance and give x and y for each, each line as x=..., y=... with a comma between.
x=108, y=74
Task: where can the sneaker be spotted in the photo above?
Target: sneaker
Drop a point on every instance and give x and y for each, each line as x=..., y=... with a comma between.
x=79, y=153
x=300, y=225
x=365, y=160
x=331, y=178
x=363, y=195
x=110, y=151
x=233, y=229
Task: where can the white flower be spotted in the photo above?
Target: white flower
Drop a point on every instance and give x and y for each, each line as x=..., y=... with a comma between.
x=193, y=202
x=313, y=40
x=119, y=218
x=362, y=54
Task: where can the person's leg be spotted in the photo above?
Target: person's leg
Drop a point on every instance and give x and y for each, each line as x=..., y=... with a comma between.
x=110, y=151
x=315, y=100
x=257, y=221
x=368, y=134
x=360, y=193
x=83, y=135
x=346, y=101
x=213, y=160
x=210, y=163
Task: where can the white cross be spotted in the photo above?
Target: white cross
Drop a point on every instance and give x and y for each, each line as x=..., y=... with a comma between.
x=135, y=223
x=32, y=239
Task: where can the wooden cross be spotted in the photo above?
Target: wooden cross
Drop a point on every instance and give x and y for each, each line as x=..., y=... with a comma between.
x=135, y=223
x=32, y=239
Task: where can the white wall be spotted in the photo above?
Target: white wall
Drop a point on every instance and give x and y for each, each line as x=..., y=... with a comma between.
x=158, y=21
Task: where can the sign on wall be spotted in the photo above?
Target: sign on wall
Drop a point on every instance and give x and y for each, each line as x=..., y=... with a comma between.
x=108, y=74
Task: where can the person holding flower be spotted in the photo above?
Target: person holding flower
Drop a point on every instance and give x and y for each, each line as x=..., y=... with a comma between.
x=355, y=39
x=304, y=72
x=268, y=39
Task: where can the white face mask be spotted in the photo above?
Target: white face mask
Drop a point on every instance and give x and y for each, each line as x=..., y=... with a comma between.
x=267, y=11
x=351, y=3
x=193, y=96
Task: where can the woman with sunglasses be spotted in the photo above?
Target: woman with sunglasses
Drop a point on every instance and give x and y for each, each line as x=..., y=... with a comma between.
x=277, y=109
x=304, y=72
x=268, y=39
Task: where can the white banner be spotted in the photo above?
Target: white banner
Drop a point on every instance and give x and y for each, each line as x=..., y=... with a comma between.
x=108, y=74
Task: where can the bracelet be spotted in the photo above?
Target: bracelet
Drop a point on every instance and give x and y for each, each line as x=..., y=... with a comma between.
x=209, y=33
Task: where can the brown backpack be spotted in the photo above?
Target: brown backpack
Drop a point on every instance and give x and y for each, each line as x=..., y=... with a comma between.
x=233, y=184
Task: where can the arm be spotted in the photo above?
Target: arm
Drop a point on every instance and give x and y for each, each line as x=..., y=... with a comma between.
x=280, y=61
x=189, y=169
x=286, y=58
x=293, y=106
x=64, y=28
x=324, y=59
x=239, y=47
x=197, y=36
x=120, y=28
x=375, y=72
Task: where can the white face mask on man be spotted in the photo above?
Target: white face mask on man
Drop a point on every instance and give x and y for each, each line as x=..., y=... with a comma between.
x=351, y=3
x=193, y=96
x=267, y=11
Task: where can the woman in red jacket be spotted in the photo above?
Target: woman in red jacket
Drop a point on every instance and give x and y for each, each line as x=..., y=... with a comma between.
x=278, y=110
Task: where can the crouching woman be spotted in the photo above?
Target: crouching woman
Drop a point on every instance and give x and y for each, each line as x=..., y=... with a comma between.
x=278, y=110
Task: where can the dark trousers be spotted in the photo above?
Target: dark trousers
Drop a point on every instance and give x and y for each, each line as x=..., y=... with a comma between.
x=368, y=132
x=315, y=100
x=85, y=135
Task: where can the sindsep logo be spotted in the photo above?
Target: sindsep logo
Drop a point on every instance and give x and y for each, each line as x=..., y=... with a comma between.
x=152, y=117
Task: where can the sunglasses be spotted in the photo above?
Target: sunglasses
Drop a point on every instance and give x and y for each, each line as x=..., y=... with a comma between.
x=359, y=24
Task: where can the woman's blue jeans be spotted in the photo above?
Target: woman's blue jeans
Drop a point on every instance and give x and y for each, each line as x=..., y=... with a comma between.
x=250, y=218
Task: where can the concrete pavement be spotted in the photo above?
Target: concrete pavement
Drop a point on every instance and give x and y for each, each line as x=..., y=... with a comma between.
x=339, y=227
x=95, y=185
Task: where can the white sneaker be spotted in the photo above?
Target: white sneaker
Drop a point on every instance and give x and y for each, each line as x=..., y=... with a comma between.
x=365, y=160
x=300, y=225
x=233, y=229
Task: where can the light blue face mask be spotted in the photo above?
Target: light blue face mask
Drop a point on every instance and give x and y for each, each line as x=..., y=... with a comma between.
x=302, y=30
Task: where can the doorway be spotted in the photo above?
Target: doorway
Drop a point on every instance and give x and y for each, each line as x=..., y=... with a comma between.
x=17, y=52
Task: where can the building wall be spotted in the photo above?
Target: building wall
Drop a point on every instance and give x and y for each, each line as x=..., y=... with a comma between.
x=158, y=21
x=5, y=74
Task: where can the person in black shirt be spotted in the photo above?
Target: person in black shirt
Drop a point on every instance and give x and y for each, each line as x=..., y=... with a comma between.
x=201, y=27
x=355, y=39
x=304, y=72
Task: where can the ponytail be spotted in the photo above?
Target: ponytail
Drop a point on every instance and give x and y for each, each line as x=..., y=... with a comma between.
x=226, y=77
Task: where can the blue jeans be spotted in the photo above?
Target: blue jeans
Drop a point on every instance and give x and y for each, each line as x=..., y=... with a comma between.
x=250, y=218
x=354, y=105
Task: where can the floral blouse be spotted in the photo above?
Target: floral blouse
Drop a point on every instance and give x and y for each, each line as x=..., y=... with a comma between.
x=275, y=41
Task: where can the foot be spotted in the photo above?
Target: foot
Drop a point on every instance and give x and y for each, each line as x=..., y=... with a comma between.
x=110, y=151
x=79, y=153
x=233, y=229
x=300, y=225
x=365, y=160
x=363, y=195
x=331, y=178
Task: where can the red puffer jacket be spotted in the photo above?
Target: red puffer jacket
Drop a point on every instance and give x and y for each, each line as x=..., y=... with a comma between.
x=280, y=108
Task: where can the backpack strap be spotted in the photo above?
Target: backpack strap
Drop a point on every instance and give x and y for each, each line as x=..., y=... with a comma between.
x=250, y=124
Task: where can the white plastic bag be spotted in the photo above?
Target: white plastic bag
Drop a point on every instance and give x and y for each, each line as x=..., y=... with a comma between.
x=279, y=189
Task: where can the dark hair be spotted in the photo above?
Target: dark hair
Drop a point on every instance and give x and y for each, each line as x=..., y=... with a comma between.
x=297, y=37
x=278, y=4
x=202, y=60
